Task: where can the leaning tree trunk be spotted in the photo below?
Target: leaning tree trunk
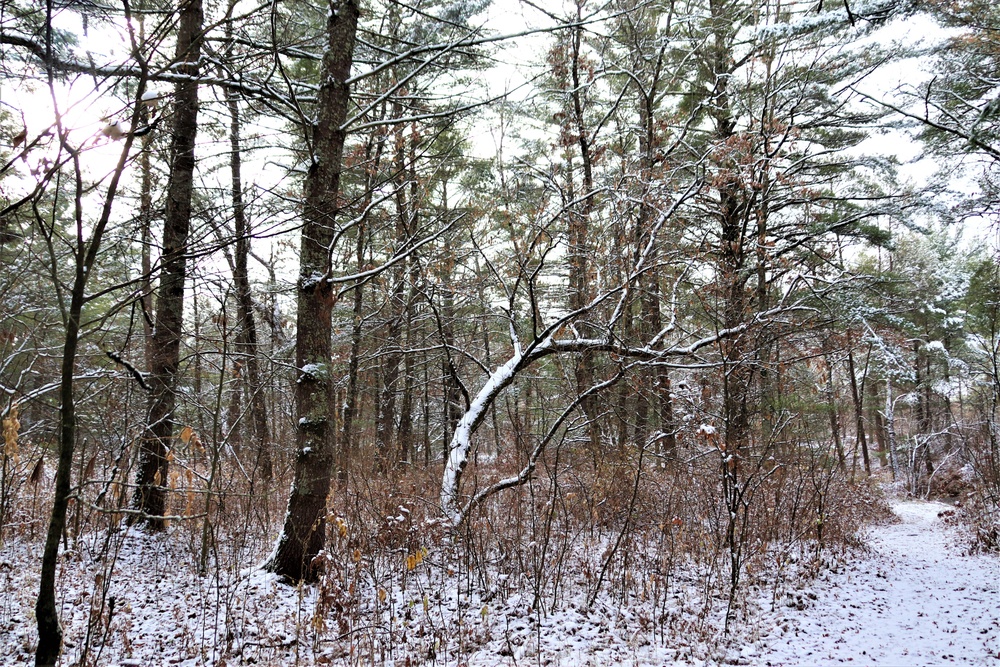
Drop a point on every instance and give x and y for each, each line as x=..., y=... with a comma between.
x=859, y=420
x=50, y=632
x=46, y=612
x=151, y=492
x=304, y=532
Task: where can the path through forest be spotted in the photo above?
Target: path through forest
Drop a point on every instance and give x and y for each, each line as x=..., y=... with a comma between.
x=918, y=599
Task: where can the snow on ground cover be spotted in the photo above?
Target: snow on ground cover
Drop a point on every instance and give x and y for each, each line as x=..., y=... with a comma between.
x=915, y=599
x=164, y=613
x=156, y=610
x=918, y=599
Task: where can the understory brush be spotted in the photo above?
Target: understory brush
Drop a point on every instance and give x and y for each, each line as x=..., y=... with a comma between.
x=599, y=559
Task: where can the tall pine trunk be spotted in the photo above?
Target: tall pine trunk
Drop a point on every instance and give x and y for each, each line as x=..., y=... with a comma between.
x=151, y=492
x=303, y=535
x=579, y=233
x=246, y=340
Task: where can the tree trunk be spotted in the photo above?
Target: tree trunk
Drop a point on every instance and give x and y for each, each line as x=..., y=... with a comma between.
x=145, y=220
x=46, y=612
x=923, y=390
x=385, y=424
x=304, y=531
x=831, y=401
x=579, y=231
x=890, y=428
x=405, y=433
x=151, y=492
x=859, y=419
x=46, y=609
x=348, y=436
x=452, y=393
x=878, y=424
x=733, y=206
x=246, y=341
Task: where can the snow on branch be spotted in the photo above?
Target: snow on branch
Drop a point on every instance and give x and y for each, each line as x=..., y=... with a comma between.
x=543, y=346
x=525, y=474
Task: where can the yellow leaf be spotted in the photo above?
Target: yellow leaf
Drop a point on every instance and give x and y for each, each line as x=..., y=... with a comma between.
x=381, y=595
x=318, y=623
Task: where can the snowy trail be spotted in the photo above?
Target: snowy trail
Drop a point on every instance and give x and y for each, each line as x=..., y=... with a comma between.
x=917, y=600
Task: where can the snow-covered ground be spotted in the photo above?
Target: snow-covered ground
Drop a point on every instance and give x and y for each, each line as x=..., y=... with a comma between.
x=914, y=598
x=918, y=599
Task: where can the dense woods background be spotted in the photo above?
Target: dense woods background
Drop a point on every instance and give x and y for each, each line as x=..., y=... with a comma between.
x=576, y=303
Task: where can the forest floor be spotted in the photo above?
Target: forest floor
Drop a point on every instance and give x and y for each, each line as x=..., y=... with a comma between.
x=912, y=597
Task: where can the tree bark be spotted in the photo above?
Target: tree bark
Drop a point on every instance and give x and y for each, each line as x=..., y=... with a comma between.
x=46, y=612
x=859, y=419
x=878, y=424
x=451, y=389
x=151, y=492
x=246, y=340
x=146, y=240
x=405, y=432
x=831, y=400
x=579, y=232
x=348, y=436
x=391, y=359
x=921, y=367
x=304, y=531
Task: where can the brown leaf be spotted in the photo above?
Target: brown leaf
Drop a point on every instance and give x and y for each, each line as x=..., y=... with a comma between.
x=88, y=471
x=36, y=473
